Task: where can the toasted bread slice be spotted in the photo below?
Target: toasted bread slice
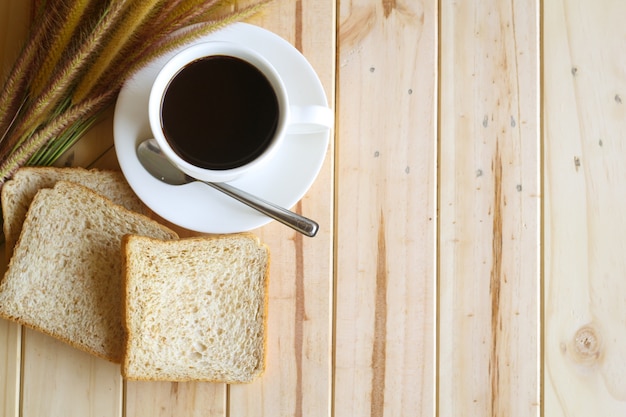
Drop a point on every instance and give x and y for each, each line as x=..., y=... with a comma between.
x=195, y=309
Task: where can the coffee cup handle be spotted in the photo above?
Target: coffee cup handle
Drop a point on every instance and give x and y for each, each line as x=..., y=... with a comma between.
x=310, y=119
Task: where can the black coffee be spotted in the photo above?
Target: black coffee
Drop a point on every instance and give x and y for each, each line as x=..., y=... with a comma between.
x=219, y=112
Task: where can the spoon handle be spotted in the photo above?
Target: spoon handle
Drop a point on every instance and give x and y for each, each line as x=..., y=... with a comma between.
x=303, y=225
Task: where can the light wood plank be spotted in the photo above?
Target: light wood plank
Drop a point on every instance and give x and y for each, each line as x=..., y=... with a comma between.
x=192, y=399
x=585, y=290
x=14, y=24
x=489, y=206
x=147, y=398
x=386, y=202
x=297, y=381
x=62, y=381
x=10, y=365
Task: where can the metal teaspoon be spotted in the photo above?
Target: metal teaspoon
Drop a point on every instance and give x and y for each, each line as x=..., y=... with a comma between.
x=161, y=168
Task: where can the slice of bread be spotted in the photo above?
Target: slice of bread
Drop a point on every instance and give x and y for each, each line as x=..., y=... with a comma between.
x=65, y=278
x=18, y=193
x=195, y=309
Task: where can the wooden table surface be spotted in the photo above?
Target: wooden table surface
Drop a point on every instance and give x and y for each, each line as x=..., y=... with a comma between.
x=471, y=254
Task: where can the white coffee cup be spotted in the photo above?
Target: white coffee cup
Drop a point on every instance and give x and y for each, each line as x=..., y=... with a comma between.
x=171, y=120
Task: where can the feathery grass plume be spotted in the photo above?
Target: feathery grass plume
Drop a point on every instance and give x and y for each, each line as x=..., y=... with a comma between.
x=13, y=94
x=50, y=103
x=74, y=14
x=59, y=86
x=136, y=15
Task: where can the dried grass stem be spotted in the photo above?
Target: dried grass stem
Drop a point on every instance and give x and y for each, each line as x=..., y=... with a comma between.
x=52, y=129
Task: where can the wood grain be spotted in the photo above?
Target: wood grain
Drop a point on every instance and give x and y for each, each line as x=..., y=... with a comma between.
x=192, y=399
x=585, y=290
x=386, y=182
x=489, y=236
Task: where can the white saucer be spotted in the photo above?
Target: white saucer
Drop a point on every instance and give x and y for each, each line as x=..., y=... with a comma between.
x=283, y=180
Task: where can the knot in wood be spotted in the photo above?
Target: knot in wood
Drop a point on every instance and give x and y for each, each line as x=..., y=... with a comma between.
x=587, y=345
